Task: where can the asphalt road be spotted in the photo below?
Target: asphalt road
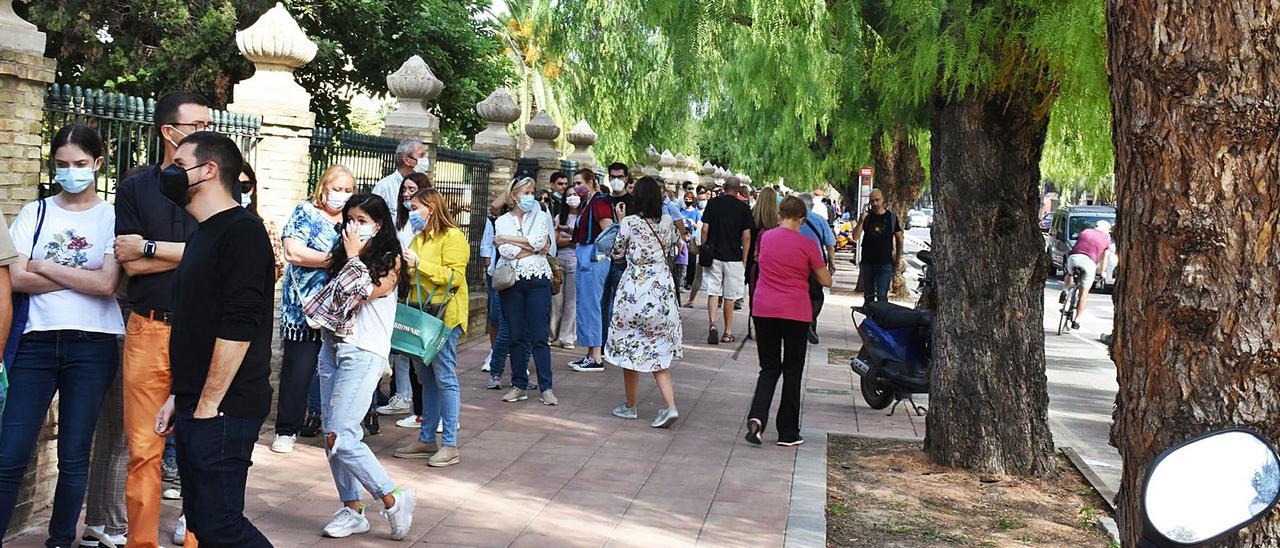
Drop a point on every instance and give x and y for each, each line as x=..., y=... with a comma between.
x=1082, y=377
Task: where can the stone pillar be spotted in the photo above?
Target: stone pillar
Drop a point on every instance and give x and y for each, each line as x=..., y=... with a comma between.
x=277, y=46
x=582, y=137
x=24, y=73
x=542, y=132
x=414, y=85
x=651, y=169
x=719, y=176
x=705, y=178
x=667, y=161
x=498, y=111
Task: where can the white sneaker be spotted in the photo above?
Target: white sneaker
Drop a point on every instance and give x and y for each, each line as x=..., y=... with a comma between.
x=411, y=421
x=95, y=536
x=440, y=427
x=283, y=444
x=487, y=359
x=346, y=522
x=171, y=493
x=180, y=531
x=401, y=515
x=398, y=405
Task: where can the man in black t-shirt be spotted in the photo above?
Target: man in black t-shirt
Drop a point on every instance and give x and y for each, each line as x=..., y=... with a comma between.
x=882, y=237
x=220, y=349
x=726, y=235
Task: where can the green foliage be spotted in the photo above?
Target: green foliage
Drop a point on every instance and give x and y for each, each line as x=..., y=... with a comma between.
x=160, y=45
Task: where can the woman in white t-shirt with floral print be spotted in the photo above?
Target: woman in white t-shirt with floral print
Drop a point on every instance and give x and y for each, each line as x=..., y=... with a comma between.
x=68, y=344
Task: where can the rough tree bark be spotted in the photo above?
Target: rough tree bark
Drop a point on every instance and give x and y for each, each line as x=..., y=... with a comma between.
x=988, y=398
x=900, y=177
x=1195, y=100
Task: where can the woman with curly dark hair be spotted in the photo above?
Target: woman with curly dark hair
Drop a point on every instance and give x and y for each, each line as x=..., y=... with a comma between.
x=356, y=311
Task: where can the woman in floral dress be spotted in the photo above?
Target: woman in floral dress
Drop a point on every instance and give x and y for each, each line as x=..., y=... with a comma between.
x=645, y=333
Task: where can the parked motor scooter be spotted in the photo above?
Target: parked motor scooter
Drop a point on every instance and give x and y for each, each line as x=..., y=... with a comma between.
x=1202, y=490
x=896, y=348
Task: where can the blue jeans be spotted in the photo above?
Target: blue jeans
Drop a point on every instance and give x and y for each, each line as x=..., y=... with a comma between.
x=79, y=366
x=591, y=275
x=528, y=310
x=875, y=282
x=400, y=376
x=606, y=299
x=347, y=373
x=441, y=395
x=502, y=341
x=214, y=456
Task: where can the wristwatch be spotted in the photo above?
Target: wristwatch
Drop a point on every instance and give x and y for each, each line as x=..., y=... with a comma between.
x=149, y=248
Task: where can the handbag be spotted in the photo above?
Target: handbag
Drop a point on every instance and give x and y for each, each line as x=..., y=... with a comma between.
x=22, y=301
x=417, y=332
x=557, y=274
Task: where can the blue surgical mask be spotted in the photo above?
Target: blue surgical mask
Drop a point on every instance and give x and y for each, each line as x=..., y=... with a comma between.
x=246, y=200
x=365, y=232
x=417, y=221
x=702, y=204
x=74, y=179
x=527, y=203
x=407, y=205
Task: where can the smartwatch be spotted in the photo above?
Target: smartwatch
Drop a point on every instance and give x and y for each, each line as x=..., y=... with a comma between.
x=149, y=248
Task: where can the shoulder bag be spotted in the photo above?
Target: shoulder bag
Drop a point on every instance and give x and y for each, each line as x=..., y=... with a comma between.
x=417, y=332
x=22, y=301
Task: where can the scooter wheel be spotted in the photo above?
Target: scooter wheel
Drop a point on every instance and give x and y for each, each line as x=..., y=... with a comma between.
x=875, y=390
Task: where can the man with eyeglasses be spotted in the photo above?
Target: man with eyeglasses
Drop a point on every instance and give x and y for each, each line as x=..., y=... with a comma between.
x=882, y=237
x=152, y=234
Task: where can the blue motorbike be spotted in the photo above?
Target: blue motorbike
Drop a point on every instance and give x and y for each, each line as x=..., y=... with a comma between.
x=895, y=355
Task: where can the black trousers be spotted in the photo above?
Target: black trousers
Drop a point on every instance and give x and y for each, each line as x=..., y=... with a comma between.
x=781, y=345
x=297, y=367
x=816, y=299
x=214, y=456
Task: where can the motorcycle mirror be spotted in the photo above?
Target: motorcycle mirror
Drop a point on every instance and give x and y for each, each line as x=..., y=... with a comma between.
x=1209, y=487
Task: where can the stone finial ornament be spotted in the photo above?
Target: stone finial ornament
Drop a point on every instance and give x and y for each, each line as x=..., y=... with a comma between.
x=498, y=111
x=413, y=84
x=542, y=130
x=277, y=46
x=581, y=136
x=19, y=34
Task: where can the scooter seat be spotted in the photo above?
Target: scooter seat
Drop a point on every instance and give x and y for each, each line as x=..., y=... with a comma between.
x=892, y=316
x=925, y=256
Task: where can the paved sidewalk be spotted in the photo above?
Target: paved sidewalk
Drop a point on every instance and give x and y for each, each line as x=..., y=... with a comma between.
x=574, y=475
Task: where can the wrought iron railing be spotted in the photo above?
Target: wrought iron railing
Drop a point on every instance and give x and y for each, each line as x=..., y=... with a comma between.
x=368, y=157
x=126, y=126
x=463, y=178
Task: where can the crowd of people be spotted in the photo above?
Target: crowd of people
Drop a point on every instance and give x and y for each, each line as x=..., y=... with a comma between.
x=583, y=264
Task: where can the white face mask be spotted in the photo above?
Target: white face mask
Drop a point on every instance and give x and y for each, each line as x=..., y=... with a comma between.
x=423, y=166
x=573, y=201
x=618, y=185
x=338, y=200
x=245, y=199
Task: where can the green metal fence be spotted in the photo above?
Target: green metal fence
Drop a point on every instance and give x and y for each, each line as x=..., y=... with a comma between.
x=463, y=178
x=128, y=134
x=368, y=157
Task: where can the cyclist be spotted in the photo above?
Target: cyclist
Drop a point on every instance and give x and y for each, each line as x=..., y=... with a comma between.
x=1092, y=248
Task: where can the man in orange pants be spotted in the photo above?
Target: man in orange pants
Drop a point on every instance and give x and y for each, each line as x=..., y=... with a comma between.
x=152, y=232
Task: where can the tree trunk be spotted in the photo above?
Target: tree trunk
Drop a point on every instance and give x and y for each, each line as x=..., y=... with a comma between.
x=1196, y=110
x=988, y=398
x=900, y=177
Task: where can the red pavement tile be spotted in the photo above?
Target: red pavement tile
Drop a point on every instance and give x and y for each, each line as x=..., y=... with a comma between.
x=472, y=536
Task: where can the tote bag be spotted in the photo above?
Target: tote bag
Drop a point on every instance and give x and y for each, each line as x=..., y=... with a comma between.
x=417, y=332
x=22, y=302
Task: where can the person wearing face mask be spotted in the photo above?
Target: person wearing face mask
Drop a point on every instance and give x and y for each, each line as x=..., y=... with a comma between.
x=309, y=237
x=67, y=342
x=411, y=157
x=559, y=190
x=564, y=304
x=221, y=346
x=151, y=234
x=523, y=243
x=407, y=225
x=356, y=311
x=623, y=205
x=437, y=260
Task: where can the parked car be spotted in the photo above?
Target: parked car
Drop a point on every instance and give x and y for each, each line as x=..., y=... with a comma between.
x=1045, y=222
x=928, y=212
x=1065, y=226
x=917, y=218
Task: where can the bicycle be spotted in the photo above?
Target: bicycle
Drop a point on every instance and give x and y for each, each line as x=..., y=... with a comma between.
x=1071, y=300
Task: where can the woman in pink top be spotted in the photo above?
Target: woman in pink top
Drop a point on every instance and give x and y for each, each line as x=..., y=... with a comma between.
x=781, y=311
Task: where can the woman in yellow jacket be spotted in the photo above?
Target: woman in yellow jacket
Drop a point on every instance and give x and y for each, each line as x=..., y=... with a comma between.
x=438, y=256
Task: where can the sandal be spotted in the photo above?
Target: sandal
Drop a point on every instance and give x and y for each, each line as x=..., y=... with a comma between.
x=728, y=338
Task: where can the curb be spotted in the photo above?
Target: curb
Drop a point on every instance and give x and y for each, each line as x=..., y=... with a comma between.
x=807, y=513
x=1105, y=491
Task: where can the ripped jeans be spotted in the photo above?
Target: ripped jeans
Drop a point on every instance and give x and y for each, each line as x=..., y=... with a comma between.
x=347, y=376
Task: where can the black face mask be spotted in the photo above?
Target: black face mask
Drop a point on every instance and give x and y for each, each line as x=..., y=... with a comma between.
x=174, y=185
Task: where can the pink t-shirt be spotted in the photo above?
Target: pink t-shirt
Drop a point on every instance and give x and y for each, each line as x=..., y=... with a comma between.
x=787, y=258
x=1092, y=243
